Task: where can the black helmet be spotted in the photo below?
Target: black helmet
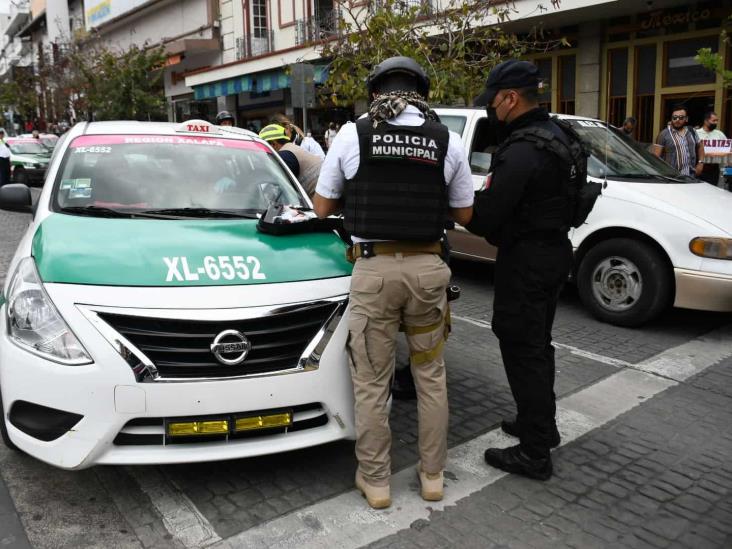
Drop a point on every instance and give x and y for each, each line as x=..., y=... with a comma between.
x=398, y=73
x=224, y=115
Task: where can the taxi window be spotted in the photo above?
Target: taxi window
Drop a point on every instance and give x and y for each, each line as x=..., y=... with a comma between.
x=28, y=147
x=150, y=173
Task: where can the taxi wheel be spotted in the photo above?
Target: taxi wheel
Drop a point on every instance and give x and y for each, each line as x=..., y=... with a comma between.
x=20, y=176
x=624, y=281
x=4, y=428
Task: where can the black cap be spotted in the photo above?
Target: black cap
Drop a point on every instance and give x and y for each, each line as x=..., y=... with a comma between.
x=511, y=74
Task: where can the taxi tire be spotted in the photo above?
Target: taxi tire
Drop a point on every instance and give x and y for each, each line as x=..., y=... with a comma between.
x=20, y=175
x=4, y=428
x=657, y=284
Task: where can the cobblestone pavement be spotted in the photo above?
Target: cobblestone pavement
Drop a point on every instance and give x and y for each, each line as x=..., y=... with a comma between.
x=659, y=476
x=589, y=498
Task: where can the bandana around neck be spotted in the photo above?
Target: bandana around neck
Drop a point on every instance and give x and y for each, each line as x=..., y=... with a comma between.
x=389, y=105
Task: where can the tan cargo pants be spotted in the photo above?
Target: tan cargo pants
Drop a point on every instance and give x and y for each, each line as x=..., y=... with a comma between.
x=386, y=291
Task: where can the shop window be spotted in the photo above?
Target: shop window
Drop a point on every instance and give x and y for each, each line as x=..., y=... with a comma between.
x=567, y=82
x=545, y=74
x=681, y=68
x=618, y=100
x=645, y=92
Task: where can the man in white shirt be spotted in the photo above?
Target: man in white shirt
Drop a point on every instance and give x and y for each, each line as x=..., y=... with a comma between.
x=710, y=137
x=4, y=160
x=398, y=174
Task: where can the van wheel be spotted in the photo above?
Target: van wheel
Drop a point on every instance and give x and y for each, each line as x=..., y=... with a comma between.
x=624, y=282
x=4, y=428
x=20, y=175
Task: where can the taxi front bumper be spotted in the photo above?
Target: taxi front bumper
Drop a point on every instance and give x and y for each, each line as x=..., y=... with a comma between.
x=109, y=400
x=703, y=291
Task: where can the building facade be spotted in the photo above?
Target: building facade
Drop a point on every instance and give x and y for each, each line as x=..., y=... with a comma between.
x=188, y=29
x=627, y=57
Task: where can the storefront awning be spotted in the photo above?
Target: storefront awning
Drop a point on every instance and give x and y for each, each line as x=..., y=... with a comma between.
x=257, y=82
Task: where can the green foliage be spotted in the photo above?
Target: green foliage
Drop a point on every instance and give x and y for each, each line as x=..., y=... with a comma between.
x=713, y=61
x=123, y=86
x=454, y=45
x=95, y=81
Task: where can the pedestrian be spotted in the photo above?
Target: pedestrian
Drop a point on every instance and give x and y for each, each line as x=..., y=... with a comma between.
x=679, y=145
x=297, y=136
x=4, y=160
x=398, y=174
x=225, y=118
x=302, y=164
x=526, y=212
x=628, y=127
x=330, y=134
x=710, y=136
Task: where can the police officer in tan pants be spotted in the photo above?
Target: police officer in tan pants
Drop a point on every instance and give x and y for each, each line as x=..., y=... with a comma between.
x=397, y=174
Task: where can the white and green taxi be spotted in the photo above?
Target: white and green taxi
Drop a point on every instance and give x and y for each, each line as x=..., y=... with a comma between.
x=28, y=160
x=144, y=318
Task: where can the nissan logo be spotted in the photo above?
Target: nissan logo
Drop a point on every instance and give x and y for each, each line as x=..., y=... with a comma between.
x=231, y=347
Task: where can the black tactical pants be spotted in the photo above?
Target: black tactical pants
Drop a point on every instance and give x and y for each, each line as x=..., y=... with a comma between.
x=4, y=171
x=528, y=278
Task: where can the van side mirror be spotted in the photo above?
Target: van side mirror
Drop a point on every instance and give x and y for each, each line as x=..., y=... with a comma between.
x=16, y=197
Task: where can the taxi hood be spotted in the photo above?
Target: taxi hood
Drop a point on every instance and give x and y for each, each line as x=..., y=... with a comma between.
x=192, y=252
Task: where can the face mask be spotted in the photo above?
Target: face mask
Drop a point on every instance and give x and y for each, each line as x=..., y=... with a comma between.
x=712, y=127
x=492, y=116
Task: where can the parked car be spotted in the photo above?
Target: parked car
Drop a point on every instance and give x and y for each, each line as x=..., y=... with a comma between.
x=48, y=140
x=145, y=319
x=654, y=239
x=28, y=160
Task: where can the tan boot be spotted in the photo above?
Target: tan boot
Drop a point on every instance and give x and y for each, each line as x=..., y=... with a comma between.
x=378, y=497
x=431, y=483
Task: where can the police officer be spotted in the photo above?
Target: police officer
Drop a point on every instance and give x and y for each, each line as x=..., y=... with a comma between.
x=4, y=160
x=526, y=214
x=225, y=118
x=397, y=173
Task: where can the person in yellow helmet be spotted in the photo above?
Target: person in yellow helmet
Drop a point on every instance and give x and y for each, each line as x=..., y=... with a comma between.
x=304, y=165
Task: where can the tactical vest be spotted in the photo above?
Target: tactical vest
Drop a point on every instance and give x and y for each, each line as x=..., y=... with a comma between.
x=572, y=207
x=309, y=167
x=399, y=190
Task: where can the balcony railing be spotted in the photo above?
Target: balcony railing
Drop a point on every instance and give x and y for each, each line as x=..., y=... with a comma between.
x=424, y=7
x=318, y=27
x=252, y=46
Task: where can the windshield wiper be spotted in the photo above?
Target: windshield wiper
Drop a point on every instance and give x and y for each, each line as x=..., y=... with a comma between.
x=650, y=176
x=202, y=212
x=101, y=211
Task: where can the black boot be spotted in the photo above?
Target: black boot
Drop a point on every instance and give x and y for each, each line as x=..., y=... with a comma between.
x=510, y=427
x=402, y=387
x=514, y=460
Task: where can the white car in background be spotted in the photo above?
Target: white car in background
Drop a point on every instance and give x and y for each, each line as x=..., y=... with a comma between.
x=654, y=239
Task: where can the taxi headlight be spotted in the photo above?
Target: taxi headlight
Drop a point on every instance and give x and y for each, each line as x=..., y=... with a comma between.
x=713, y=247
x=29, y=165
x=34, y=323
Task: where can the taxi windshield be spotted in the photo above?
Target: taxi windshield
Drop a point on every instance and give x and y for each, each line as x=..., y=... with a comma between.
x=27, y=147
x=613, y=154
x=170, y=176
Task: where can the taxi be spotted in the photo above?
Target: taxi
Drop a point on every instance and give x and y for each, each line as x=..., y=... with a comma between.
x=28, y=160
x=145, y=319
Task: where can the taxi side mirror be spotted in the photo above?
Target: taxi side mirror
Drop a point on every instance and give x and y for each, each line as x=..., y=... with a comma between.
x=16, y=197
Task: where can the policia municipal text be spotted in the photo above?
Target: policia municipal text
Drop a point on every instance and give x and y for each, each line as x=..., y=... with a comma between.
x=397, y=174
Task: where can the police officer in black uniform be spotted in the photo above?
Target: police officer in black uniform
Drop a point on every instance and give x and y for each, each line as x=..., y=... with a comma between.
x=525, y=213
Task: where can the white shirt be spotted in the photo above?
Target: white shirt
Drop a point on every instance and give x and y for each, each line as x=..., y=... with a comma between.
x=343, y=158
x=4, y=150
x=312, y=146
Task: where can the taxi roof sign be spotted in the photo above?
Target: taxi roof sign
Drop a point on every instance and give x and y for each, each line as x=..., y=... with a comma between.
x=198, y=126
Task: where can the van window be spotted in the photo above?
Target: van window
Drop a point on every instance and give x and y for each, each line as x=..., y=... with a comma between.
x=485, y=142
x=147, y=172
x=454, y=123
x=612, y=154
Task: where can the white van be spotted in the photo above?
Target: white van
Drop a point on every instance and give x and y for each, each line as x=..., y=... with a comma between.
x=655, y=238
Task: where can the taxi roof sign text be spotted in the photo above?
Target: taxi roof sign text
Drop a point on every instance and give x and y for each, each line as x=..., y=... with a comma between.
x=198, y=126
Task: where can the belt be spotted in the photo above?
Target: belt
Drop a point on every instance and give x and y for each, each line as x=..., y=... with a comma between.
x=370, y=249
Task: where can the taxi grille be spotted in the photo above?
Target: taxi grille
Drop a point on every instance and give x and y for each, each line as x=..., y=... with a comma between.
x=181, y=348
